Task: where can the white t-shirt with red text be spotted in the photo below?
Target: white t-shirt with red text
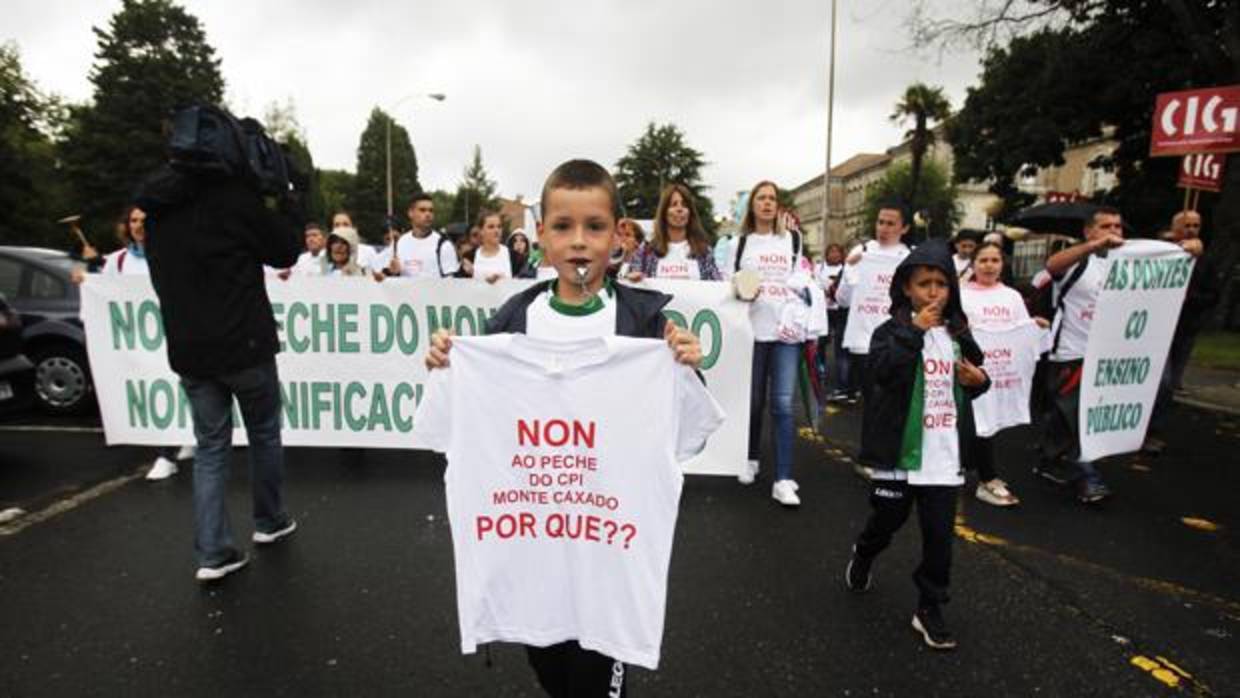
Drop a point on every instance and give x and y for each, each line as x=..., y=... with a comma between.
x=1011, y=359
x=677, y=264
x=417, y=256
x=769, y=255
x=561, y=496
x=996, y=307
x=1073, y=321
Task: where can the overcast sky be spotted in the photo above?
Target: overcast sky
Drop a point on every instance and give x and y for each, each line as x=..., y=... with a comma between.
x=537, y=82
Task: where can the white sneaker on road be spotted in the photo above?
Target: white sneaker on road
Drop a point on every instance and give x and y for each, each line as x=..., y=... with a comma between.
x=209, y=574
x=748, y=473
x=288, y=528
x=186, y=453
x=785, y=492
x=162, y=469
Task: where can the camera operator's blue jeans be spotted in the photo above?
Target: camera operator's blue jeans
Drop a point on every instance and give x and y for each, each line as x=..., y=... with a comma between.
x=257, y=390
x=776, y=363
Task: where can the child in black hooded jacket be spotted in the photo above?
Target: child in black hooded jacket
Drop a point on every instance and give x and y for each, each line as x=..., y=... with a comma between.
x=925, y=371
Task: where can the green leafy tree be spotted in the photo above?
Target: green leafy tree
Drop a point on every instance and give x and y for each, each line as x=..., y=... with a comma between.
x=32, y=195
x=661, y=156
x=445, y=203
x=475, y=192
x=922, y=105
x=281, y=122
x=938, y=198
x=1076, y=67
x=368, y=202
x=153, y=58
x=335, y=191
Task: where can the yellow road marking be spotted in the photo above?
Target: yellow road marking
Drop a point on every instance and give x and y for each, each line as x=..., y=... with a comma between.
x=68, y=504
x=1200, y=524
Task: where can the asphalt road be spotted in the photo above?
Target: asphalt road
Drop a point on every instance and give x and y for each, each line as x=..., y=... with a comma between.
x=97, y=595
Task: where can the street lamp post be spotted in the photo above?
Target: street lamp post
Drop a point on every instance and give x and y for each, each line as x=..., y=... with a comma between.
x=826, y=175
x=438, y=97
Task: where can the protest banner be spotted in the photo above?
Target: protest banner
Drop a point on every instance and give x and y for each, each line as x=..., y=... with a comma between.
x=351, y=360
x=871, y=299
x=1136, y=315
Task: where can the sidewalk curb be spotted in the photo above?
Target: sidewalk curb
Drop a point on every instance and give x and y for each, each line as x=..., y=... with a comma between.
x=1211, y=406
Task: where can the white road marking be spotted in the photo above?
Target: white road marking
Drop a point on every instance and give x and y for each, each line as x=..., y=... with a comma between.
x=69, y=503
x=51, y=429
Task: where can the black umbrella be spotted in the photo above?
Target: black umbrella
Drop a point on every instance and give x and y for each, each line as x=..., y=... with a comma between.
x=1064, y=217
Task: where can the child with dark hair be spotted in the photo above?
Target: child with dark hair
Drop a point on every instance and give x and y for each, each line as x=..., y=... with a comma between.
x=918, y=420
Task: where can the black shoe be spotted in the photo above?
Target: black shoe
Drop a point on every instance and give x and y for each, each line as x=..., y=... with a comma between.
x=1092, y=491
x=857, y=575
x=230, y=564
x=929, y=622
x=1055, y=471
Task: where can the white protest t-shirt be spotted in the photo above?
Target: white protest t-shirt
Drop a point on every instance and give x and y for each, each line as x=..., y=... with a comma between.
x=770, y=256
x=417, y=256
x=310, y=264
x=676, y=264
x=1074, y=320
x=940, y=444
x=125, y=263
x=500, y=263
x=961, y=264
x=868, y=294
x=562, y=498
x=996, y=307
x=828, y=275
x=366, y=254
x=542, y=320
x=1011, y=358
x=546, y=273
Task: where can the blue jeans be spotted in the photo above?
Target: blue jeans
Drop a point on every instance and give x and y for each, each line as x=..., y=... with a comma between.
x=774, y=363
x=257, y=390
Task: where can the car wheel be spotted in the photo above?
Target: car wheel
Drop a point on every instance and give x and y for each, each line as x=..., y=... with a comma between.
x=62, y=379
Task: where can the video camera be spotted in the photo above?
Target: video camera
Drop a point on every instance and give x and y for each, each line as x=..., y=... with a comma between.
x=206, y=139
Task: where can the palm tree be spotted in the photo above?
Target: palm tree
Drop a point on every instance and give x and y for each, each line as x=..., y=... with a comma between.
x=922, y=104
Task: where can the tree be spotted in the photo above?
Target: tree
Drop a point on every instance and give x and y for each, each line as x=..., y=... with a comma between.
x=152, y=59
x=281, y=122
x=445, y=204
x=922, y=104
x=369, y=199
x=938, y=197
x=1114, y=56
x=31, y=190
x=335, y=191
x=475, y=192
x=660, y=156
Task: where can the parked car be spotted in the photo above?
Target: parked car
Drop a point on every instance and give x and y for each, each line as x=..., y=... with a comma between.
x=36, y=282
x=16, y=371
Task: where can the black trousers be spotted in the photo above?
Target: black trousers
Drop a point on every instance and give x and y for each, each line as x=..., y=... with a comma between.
x=566, y=670
x=982, y=455
x=891, y=502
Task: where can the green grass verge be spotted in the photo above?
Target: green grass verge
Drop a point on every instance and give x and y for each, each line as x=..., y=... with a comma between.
x=1218, y=350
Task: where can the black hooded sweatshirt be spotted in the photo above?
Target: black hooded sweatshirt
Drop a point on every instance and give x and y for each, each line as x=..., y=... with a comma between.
x=895, y=359
x=207, y=242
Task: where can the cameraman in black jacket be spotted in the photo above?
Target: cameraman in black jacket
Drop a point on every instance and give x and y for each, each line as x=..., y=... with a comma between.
x=208, y=239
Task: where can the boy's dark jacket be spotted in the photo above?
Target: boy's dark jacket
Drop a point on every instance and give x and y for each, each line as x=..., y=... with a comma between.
x=895, y=359
x=639, y=312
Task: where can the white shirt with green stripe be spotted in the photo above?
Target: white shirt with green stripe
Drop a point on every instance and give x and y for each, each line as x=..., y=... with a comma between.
x=550, y=318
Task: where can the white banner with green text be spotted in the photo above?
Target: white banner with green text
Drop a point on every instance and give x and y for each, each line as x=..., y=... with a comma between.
x=351, y=371
x=1134, y=321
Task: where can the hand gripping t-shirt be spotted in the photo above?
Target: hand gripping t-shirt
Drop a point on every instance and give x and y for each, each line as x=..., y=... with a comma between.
x=677, y=264
x=940, y=443
x=562, y=494
x=1011, y=358
x=417, y=256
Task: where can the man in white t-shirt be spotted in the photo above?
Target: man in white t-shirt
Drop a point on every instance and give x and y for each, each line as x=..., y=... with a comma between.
x=310, y=262
x=423, y=253
x=890, y=226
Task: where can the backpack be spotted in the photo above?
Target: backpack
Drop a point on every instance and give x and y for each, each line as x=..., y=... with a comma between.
x=796, y=249
x=207, y=139
x=1068, y=283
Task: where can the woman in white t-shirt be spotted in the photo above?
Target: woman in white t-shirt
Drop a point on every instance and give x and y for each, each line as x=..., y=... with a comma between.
x=679, y=248
x=828, y=272
x=990, y=304
x=767, y=250
x=490, y=260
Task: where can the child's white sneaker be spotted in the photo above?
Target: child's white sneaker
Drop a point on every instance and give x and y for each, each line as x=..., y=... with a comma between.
x=785, y=492
x=748, y=473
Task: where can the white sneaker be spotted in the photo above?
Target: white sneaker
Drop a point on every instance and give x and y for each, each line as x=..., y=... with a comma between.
x=748, y=473
x=785, y=492
x=996, y=492
x=272, y=537
x=162, y=469
x=186, y=453
x=210, y=574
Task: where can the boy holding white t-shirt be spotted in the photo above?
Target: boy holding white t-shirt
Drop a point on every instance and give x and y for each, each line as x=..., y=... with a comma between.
x=917, y=426
x=577, y=233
